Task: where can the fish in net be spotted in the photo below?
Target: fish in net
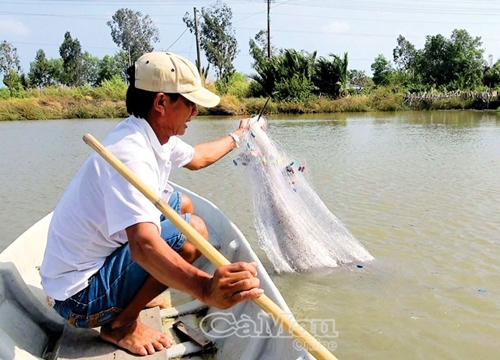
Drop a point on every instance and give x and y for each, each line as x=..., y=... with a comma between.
x=294, y=227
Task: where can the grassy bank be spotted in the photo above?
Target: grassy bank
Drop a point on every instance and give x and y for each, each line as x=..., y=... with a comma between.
x=108, y=102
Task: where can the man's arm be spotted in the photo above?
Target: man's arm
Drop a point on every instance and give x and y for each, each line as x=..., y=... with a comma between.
x=229, y=285
x=206, y=154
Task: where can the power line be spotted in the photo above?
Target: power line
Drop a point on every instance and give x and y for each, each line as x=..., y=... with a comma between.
x=409, y=21
x=449, y=7
x=96, y=17
x=395, y=7
x=85, y=17
x=177, y=39
x=103, y=17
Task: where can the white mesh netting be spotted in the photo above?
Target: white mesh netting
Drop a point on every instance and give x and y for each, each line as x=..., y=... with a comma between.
x=294, y=226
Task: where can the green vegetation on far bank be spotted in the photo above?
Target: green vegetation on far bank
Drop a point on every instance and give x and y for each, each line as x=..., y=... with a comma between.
x=107, y=101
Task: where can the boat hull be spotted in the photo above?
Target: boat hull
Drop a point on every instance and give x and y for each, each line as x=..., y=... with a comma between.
x=242, y=332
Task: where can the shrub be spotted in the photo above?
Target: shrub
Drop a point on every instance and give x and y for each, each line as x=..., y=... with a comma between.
x=254, y=106
x=352, y=104
x=291, y=108
x=255, y=90
x=450, y=104
x=110, y=110
x=387, y=99
x=112, y=89
x=236, y=84
x=297, y=89
x=26, y=109
x=229, y=105
x=7, y=111
x=239, y=89
x=4, y=93
x=211, y=86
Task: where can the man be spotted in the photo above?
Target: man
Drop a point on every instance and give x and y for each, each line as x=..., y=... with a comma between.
x=108, y=253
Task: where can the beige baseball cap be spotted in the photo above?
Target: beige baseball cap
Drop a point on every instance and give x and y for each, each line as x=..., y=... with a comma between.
x=170, y=73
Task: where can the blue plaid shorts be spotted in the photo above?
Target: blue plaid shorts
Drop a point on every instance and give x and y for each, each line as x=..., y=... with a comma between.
x=112, y=288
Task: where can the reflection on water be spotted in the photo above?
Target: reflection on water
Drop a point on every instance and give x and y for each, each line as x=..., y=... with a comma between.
x=420, y=190
x=460, y=118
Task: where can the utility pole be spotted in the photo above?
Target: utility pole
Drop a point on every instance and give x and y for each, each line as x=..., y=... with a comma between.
x=197, y=41
x=268, y=28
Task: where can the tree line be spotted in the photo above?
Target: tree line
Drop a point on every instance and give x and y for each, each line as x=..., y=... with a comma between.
x=443, y=64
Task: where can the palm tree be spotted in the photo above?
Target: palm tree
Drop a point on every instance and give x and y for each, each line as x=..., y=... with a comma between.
x=267, y=73
x=332, y=76
x=288, y=64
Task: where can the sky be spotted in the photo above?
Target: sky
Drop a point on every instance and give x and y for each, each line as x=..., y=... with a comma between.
x=362, y=28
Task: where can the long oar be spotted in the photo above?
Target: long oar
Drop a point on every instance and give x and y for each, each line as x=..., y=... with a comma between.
x=266, y=304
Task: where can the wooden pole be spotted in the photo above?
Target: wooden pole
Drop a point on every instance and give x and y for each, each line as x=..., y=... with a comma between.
x=268, y=28
x=197, y=34
x=265, y=303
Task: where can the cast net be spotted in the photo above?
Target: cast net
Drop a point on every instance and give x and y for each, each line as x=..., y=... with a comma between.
x=294, y=226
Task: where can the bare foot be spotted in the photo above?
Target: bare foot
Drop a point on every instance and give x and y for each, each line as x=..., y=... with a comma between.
x=137, y=338
x=157, y=301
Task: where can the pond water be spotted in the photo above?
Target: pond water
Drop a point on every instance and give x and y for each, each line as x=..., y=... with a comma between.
x=420, y=190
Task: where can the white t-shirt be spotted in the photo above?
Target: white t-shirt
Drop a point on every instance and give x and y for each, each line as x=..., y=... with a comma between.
x=90, y=219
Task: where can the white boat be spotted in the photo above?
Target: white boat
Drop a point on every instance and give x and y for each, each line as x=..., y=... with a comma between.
x=30, y=329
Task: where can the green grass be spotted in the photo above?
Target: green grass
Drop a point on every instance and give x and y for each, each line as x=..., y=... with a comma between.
x=107, y=101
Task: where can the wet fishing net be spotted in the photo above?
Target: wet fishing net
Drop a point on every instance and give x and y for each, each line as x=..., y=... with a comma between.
x=294, y=227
